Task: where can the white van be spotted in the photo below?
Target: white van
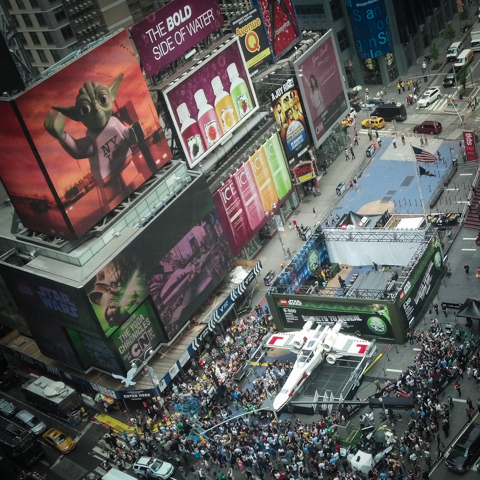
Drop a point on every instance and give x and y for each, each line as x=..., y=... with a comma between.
x=454, y=50
x=115, y=474
x=465, y=58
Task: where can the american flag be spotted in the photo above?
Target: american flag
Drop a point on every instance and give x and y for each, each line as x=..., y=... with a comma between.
x=423, y=156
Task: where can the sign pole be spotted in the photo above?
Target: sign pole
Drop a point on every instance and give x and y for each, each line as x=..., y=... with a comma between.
x=418, y=180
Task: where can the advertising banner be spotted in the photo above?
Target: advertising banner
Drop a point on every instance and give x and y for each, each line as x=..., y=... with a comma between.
x=211, y=102
x=372, y=320
x=177, y=263
x=288, y=111
x=304, y=171
x=280, y=23
x=370, y=27
x=470, y=146
x=244, y=201
x=60, y=303
x=139, y=334
x=322, y=87
x=249, y=29
x=423, y=279
x=278, y=167
x=95, y=352
x=100, y=145
x=172, y=30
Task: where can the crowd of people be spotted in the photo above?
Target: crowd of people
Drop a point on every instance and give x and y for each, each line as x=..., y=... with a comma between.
x=259, y=445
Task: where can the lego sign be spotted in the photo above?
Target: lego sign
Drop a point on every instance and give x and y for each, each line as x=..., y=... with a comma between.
x=171, y=31
x=470, y=147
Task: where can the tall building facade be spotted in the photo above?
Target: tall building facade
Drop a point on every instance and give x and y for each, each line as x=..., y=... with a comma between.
x=378, y=41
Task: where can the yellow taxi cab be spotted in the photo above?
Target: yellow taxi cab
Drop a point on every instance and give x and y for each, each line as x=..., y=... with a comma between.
x=58, y=440
x=374, y=122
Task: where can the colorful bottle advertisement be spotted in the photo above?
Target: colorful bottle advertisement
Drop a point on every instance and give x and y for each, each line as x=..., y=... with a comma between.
x=278, y=167
x=233, y=206
x=263, y=179
x=248, y=191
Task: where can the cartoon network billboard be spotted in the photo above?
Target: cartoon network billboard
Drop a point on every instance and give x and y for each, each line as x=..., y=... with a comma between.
x=171, y=31
x=211, y=102
x=322, y=87
x=81, y=141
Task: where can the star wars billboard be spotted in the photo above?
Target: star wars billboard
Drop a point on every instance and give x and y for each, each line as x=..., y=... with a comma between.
x=88, y=136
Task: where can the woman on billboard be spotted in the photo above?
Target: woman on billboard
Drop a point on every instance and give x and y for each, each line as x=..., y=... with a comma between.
x=315, y=95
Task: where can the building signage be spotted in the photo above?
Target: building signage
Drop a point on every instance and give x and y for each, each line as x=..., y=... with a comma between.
x=304, y=171
x=171, y=31
x=470, y=147
x=370, y=27
x=249, y=30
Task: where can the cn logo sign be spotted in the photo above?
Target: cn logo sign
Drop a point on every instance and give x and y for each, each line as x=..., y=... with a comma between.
x=142, y=344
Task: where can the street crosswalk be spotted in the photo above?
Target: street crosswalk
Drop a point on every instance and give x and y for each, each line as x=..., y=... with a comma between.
x=444, y=105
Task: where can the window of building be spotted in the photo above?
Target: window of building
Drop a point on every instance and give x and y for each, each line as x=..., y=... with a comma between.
x=59, y=13
x=55, y=55
x=20, y=4
x=30, y=56
x=336, y=9
x=27, y=20
x=343, y=41
x=35, y=39
x=41, y=19
x=73, y=47
x=15, y=21
x=310, y=9
x=43, y=56
x=67, y=32
x=24, y=38
x=34, y=3
x=48, y=38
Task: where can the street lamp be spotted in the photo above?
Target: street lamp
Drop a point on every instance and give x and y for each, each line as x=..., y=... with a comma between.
x=151, y=372
x=272, y=213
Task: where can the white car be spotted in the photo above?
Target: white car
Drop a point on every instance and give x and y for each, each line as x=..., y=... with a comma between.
x=31, y=422
x=153, y=468
x=429, y=97
x=352, y=113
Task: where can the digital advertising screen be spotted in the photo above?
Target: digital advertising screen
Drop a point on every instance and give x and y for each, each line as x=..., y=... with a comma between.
x=281, y=25
x=372, y=320
x=176, y=263
x=94, y=134
x=249, y=29
x=429, y=270
x=289, y=115
x=211, y=102
x=370, y=27
x=322, y=87
x=141, y=333
x=58, y=302
x=244, y=201
x=172, y=30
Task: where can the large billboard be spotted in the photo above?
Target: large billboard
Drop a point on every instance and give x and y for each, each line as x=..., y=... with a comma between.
x=88, y=136
x=171, y=31
x=428, y=271
x=245, y=200
x=322, y=87
x=281, y=24
x=177, y=260
x=289, y=115
x=249, y=29
x=370, y=319
x=211, y=102
x=370, y=27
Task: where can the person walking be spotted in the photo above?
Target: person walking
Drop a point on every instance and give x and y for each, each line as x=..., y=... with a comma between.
x=466, y=267
x=457, y=388
x=394, y=143
x=369, y=133
x=425, y=141
x=376, y=134
x=351, y=153
x=347, y=158
x=399, y=88
x=435, y=307
x=314, y=213
x=444, y=309
x=355, y=139
x=469, y=412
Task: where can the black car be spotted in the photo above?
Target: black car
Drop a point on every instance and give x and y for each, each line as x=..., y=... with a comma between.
x=8, y=379
x=449, y=79
x=465, y=450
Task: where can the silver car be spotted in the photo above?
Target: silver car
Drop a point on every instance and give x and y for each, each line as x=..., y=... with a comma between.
x=30, y=422
x=7, y=409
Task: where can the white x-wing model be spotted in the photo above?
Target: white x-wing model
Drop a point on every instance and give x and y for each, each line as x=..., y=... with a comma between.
x=312, y=347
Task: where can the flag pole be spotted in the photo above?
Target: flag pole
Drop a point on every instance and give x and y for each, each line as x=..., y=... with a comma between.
x=415, y=163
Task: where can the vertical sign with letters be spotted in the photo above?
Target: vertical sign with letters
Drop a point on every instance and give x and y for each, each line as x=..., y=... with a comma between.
x=470, y=146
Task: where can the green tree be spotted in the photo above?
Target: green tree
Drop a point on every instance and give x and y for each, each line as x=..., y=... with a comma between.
x=462, y=76
x=465, y=14
x=433, y=52
x=449, y=33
